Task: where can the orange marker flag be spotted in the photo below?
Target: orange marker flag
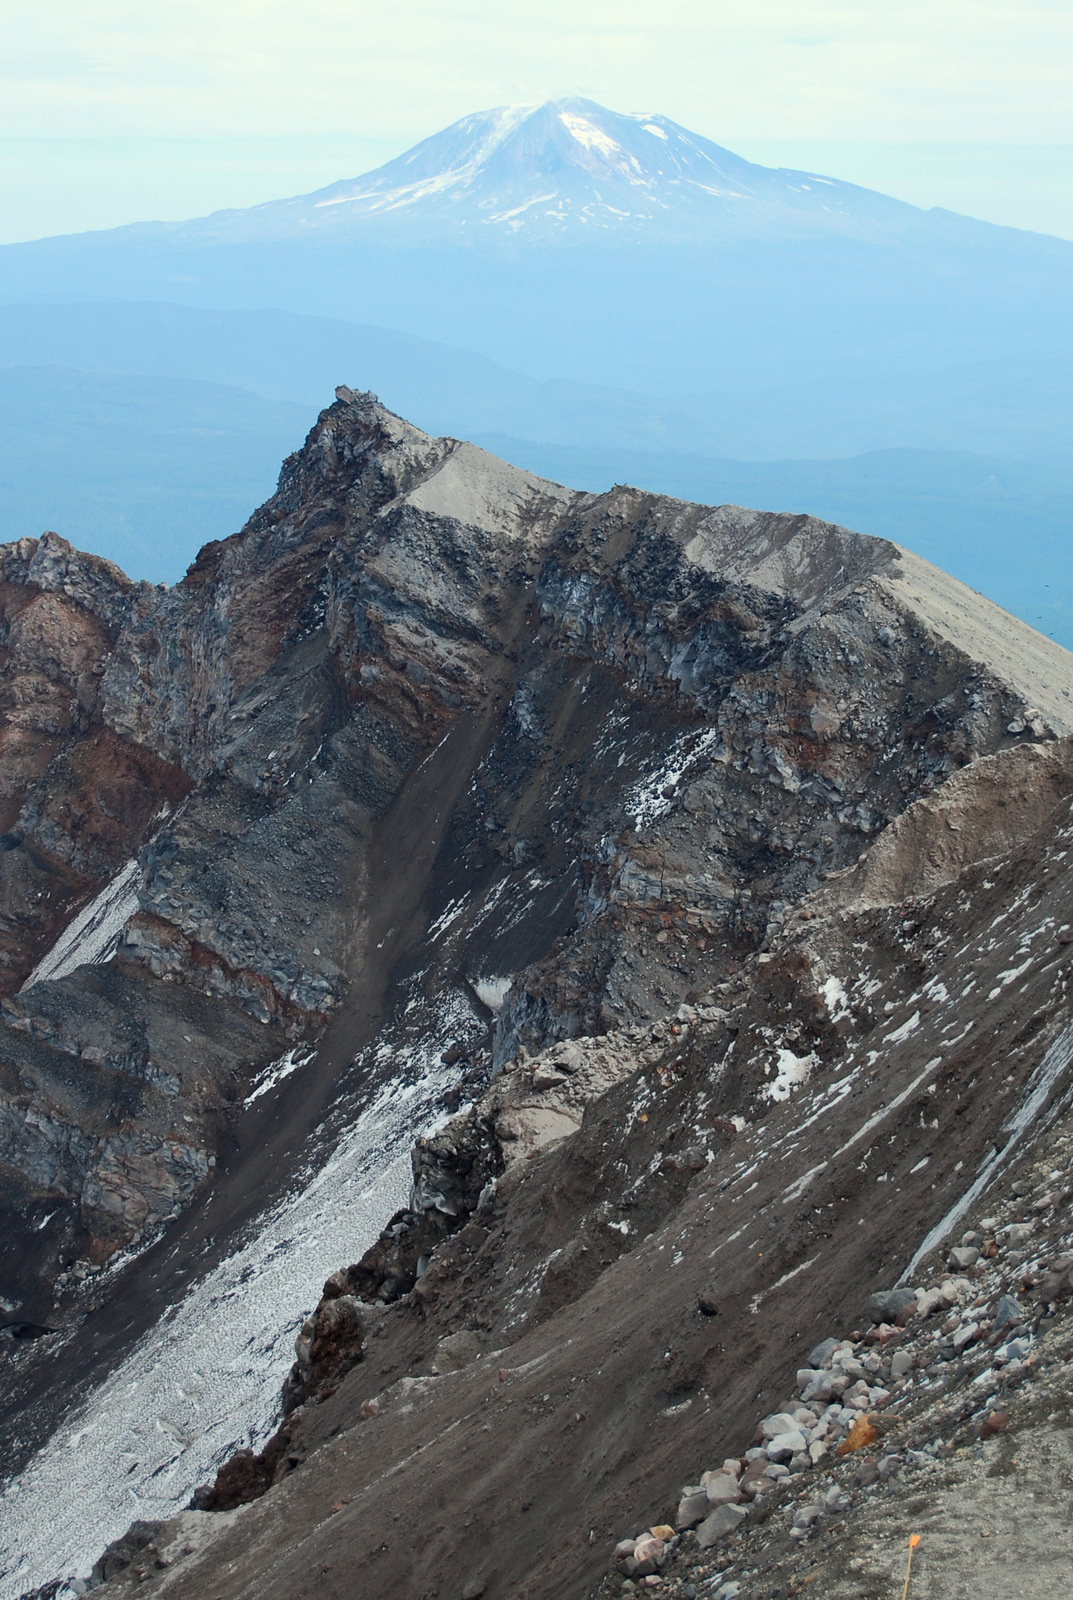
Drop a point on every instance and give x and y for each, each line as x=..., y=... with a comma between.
x=914, y=1540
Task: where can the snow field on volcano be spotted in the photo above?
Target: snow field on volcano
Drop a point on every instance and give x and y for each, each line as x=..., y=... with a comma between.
x=207, y=1378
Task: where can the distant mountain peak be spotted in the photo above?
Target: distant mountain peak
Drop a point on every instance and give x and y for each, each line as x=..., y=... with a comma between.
x=527, y=166
x=562, y=170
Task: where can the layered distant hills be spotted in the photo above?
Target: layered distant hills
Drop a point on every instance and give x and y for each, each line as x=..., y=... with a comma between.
x=561, y=276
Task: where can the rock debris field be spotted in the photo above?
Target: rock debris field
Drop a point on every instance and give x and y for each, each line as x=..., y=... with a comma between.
x=950, y=1418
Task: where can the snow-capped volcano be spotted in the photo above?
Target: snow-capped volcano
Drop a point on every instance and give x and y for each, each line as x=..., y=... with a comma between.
x=564, y=160
x=807, y=317
x=563, y=168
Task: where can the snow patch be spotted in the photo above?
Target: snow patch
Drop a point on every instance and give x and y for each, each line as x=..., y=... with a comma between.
x=492, y=992
x=92, y=937
x=207, y=1378
x=1009, y=976
x=791, y=1071
x=835, y=998
x=899, y=1035
x=276, y=1071
x=589, y=136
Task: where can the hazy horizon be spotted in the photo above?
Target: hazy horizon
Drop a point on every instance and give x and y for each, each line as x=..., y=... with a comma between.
x=112, y=114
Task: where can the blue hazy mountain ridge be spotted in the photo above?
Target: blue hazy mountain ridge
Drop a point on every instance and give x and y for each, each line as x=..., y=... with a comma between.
x=798, y=314
x=610, y=293
x=1023, y=413
x=277, y=354
x=141, y=470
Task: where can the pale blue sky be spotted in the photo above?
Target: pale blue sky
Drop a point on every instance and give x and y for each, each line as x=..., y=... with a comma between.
x=115, y=110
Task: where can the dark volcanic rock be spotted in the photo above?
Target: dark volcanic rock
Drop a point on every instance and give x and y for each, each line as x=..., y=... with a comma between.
x=704, y=827
x=136, y=1544
x=888, y=1304
x=243, y=1478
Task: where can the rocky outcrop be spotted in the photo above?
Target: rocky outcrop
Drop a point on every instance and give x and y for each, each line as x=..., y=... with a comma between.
x=985, y=810
x=76, y=801
x=703, y=832
x=289, y=683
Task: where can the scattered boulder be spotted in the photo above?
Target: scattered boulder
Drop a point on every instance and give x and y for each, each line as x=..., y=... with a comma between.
x=889, y=1303
x=547, y=1077
x=692, y=1508
x=963, y=1256
x=1008, y=1313
x=778, y=1422
x=1057, y=1281
x=901, y=1362
x=722, y=1489
x=457, y=1350
x=823, y=1352
x=784, y=1446
x=722, y=1522
x=122, y=1553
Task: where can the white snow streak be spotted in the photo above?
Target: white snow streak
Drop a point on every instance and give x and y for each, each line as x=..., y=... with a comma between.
x=92, y=936
x=207, y=1378
x=757, y=1299
x=646, y=801
x=276, y=1071
x=1042, y=1081
x=899, y=1035
x=892, y=1105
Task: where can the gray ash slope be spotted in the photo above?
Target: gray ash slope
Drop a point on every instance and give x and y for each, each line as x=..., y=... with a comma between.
x=439, y=755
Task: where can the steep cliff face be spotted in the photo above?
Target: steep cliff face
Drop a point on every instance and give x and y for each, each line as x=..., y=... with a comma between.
x=437, y=758
x=76, y=801
x=124, y=701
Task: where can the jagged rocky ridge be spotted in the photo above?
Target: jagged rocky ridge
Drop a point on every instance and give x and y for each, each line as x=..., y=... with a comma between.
x=691, y=803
